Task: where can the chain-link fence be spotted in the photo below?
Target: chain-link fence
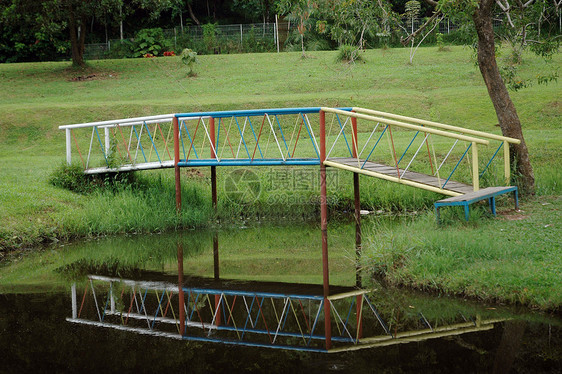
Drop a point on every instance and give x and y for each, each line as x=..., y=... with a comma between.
x=257, y=37
x=236, y=38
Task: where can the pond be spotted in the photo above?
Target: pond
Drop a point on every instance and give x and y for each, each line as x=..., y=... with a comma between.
x=252, y=301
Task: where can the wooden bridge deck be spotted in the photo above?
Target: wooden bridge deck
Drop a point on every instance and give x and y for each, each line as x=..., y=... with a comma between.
x=452, y=188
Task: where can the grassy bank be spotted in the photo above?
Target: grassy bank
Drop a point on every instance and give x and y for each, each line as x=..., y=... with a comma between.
x=514, y=258
x=445, y=87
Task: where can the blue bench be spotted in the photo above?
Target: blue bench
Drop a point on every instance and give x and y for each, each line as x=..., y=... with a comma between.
x=465, y=200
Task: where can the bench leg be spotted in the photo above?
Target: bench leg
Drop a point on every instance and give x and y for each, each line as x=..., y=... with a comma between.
x=493, y=205
x=466, y=212
x=437, y=215
x=516, y=198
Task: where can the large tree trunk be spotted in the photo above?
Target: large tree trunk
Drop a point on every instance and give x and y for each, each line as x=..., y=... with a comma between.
x=77, y=38
x=191, y=14
x=505, y=110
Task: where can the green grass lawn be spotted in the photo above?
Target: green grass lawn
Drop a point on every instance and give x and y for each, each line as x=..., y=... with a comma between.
x=440, y=86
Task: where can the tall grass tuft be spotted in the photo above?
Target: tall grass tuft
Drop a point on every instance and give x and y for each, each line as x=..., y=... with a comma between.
x=348, y=53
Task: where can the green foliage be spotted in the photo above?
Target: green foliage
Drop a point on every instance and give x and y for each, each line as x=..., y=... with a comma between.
x=512, y=80
x=546, y=48
x=412, y=9
x=441, y=43
x=150, y=41
x=27, y=33
x=210, y=33
x=72, y=178
x=255, y=43
x=348, y=53
x=189, y=59
x=122, y=49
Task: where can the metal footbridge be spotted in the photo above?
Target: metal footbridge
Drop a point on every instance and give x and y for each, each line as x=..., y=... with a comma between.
x=259, y=314
x=424, y=154
x=450, y=160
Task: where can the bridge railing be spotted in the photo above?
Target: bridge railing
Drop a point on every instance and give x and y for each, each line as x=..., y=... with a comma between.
x=413, y=145
x=287, y=136
x=497, y=142
x=121, y=145
x=274, y=319
x=292, y=136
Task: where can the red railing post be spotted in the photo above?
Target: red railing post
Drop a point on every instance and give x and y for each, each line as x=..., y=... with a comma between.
x=181, y=298
x=324, y=229
x=358, y=246
x=213, y=156
x=176, y=163
x=354, y=136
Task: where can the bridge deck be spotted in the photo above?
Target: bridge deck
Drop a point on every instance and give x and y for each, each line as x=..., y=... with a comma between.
x=452, y=188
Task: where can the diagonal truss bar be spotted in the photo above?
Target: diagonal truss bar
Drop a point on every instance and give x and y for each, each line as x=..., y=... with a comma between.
x=457, y=165
x=375, y=146
x=492, y=159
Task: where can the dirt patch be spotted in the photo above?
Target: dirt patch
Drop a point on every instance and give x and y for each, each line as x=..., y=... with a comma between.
x=513, y=215
x=93, y=77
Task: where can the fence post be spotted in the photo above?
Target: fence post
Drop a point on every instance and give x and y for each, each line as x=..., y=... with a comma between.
x=68, y=146
x=276, y=32
x=241, y=35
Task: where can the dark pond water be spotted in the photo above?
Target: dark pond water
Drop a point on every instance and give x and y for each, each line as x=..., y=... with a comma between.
x=247, y=299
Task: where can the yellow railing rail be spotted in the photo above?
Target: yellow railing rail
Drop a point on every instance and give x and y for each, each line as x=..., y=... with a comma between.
x=429, y=127
x=438, y=125
x=407, y=126
x=504, y=139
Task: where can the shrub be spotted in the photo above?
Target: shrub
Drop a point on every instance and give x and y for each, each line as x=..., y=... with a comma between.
x=72, y=177
x=210, y=33
x=150, y=42
x=122, y=49
x=189, y=58
x=348, y=53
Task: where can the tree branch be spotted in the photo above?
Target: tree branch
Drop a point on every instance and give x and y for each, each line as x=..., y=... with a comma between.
x=420, y=29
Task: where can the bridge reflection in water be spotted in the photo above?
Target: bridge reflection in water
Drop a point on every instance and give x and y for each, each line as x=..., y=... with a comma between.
x=262, y=314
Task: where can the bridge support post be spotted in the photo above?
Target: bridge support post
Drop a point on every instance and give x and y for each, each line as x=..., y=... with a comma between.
x=181, y=296
x=213, y=168
x=214, y=201
x=324, y=229
x=176, y=163
x=358, y=237
x=68, y=146
x=357, y=205
x=216, y=273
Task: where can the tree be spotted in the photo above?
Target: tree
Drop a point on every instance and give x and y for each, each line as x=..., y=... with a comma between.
x=299, y=11
x=481, y=12
x=354, y=20
x=70, y=14
x=22, y=38
x=254, y=9
x=412, y=10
